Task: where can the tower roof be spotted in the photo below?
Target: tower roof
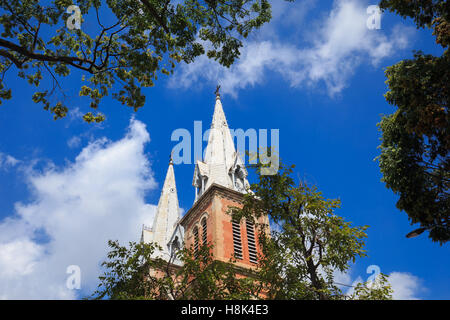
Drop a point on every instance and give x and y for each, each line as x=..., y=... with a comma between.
x=167, y=213
x=221, y=164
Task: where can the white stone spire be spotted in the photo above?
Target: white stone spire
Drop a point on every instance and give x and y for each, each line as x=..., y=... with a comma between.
x=167, y=215
x=221, y=164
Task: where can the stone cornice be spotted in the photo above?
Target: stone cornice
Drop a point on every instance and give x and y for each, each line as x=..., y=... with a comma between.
x=206, y=197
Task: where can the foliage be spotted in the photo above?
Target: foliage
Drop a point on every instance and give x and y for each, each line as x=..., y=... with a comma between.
x=423, y=12
x=203, y=278
x=137, y=273
x=122, y=45
x=298, y=261
x=127, y=273
x=310, y=242
x=376, y=290
x=414, y=158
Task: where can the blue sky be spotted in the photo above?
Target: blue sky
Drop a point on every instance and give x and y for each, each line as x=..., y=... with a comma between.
x=315, y=72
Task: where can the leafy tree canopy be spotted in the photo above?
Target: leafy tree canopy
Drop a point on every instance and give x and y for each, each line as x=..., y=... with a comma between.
x=135, y=272
x=120, y=47
x=414, y=158
x=309, y=242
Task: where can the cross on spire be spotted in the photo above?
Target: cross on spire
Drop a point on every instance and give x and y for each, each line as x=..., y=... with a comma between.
x=217, y=91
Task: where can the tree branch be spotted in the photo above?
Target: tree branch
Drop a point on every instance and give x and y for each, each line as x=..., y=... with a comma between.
x=11, y=57
x=42, y=57
x=155, y=14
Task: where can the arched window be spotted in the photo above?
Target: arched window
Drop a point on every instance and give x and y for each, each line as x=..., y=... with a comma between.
x=196, y=241
x=204, y=231
x=251, y=242
x=237, y=244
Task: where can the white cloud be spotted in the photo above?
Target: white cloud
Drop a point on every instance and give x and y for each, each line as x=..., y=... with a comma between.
x=75, y=210
x=18, y=258
x=7, y=161
x=339, y=44
x=405, y=285
x=74, y=142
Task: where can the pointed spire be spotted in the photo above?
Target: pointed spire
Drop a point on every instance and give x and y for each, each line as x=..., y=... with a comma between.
x=167, y=213
x=220, y=149
x=221, y=160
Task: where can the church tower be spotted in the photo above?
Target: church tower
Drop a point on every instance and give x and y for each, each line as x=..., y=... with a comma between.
x=220, y=181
